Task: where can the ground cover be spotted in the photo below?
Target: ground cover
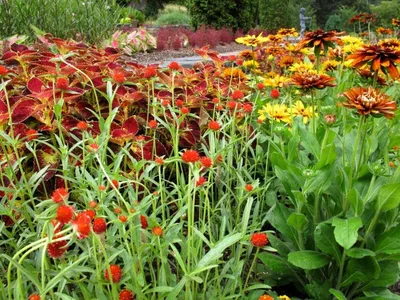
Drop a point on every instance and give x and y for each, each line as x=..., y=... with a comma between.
x=266, y=175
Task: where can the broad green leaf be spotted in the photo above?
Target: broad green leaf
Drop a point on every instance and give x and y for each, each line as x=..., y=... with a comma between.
x=389, y=242
x=388, y=197
x=346, y=231
x=325, y=241
x=338, y=294
x=328, y=156
x=309, y=142
x=278, y=216
x=359, y=252
x=275, y=263
x=177, y=289
x=319, y=291
x=217, y=251
x=361, y=270
x=355, y=201
x=387, y=277
x=280, y=246
x=320, y=180
x=308, y=260
x=297, y=221
x=380, y=295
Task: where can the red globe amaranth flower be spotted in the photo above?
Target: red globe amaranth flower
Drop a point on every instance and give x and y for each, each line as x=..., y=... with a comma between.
x=143, y=221
x=260, y=86
x=202, y=180
x=165, y=102
x=184, y=110
x=99, y=225
x=117, y=210
x=157, y=231
x=275, y=94
x=94, y=147
x=64, y=213
x=153, y=124
x=123, y=218
x=60, y=195
x=32, y=134
x=116, y=273
x=90, y=213
x=126, y=295
x=179, y=103
x=149, y=72
x=58, y=248
x=259, y=239
x=214, y=125
x=190, y=156
x=159, y=160
x=174, y=65
x=248, y=108
x=82, y=125
x=266, y=297
x=102, y=188
x=34, y=297
x=81, y=225
x=62, y=83
x=248, y=187
x=206, y=162
x=232, y=105
x=118, y=77
x=115, y=183
x=57, y=225
x=215, y=100
x=237, y=95
x=3, y=71
x=93, y=204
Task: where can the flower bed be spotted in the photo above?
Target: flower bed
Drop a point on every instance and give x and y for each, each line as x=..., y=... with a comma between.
x=242, y=177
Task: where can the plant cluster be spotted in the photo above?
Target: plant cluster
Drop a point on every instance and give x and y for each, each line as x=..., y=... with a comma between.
x=138, y=40
x=245, y=177
x=92, y=21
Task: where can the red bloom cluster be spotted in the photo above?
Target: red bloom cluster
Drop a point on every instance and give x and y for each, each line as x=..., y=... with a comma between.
x=115, y=273
x=259, y=239
x=190, y=156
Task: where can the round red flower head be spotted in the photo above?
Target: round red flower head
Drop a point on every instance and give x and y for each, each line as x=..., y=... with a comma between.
x=116, y=273
x=157, y=231
x=275, y=94
x=60, y=195
x=126, y=295
x=99, y=225
x=190, y=156
x=259, y=239
x=64, y=213
x=34, y=297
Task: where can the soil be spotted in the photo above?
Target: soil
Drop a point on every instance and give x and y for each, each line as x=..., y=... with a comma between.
x=158, y=57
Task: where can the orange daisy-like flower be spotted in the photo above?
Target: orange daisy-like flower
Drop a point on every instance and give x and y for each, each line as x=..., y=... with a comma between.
x=367, y=74
x=319, y=39
x=287, y=61
x=390, y=43
x=382, y=30
x=369, y=101
x=380, y=58
x=312, y=80
x=396, y=22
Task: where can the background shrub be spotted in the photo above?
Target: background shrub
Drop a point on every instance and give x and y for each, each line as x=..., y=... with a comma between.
x=385, y=11
x=92, y=21
x=173, y=15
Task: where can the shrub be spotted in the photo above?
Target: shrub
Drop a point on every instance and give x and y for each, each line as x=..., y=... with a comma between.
x=173, y=18
x=218, y=13
x=385, y=11
x=92, y=21
x=334, y=23
x=133, y=14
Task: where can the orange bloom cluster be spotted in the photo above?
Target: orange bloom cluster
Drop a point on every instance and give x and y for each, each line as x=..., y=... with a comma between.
x=312, y=80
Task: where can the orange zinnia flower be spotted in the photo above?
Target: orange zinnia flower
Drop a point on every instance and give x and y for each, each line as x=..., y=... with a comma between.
x=381, y=59
x=312, y=80
x=370, y=101
x=319, y=39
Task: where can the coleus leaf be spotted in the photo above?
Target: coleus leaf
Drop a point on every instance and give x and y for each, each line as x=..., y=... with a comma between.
x=22, y=110
x=47, y=157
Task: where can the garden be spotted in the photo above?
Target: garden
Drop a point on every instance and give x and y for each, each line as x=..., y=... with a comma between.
x=270, y=174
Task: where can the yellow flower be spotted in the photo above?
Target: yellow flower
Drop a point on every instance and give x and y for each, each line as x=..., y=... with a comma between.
x=348, y=39
x=252, y=40
x=251, y=64
x=284, y=297
x=276, y=112
x=350, y=48
x=234, y=72
x=277, y=81
x=330, y=65
x=298, y=109
x=301, y=67
x=288, y=32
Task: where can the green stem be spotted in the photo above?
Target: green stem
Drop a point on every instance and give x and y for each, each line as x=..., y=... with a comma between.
x=251, y=268
x=341, y=268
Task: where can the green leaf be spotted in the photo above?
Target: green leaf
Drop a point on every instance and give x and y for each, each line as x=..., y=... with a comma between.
x=361, y=270
x=309, y=142
x=346, y=231
x=359, y=252
x=297, y=220
x=338, y=294
x=320, y=180
x=276, y=243
x=380, y=295
x=275, y=263
x=325, y=241
x=389, y=242
x=355, y=201
x=328, y=156
x=388, y=197
x=389, y=275
x=308, y=260
x=217, y=252
x=278, y=216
